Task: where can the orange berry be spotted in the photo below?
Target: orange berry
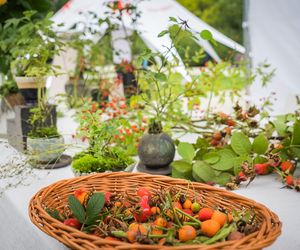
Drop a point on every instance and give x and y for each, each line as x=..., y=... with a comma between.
x=177, y=204
x=229, y=217
x=210, y=227
x=205, y=213
x=81, y=195
x=161, y=222
x=155, y=210
x=220, y=217
x=187, y=204
x=131, y=235
x=186, y=233
x=118, y=204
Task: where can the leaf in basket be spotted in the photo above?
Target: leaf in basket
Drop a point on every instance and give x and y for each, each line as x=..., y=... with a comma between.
x=94, y=206
x=54, y=213
x=76, y=208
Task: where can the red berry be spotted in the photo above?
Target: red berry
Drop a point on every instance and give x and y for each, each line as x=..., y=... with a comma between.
x=214, y=142
x=217, y=135
x=262, y=169
x=230, y=122
x=286, y=166
x=72, y=222
x=205, y=213
x=143, y=192
x=242, y=176
x=289, y=180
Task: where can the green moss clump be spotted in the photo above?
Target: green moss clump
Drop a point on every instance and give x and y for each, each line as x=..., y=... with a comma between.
x=44, y=132
x=113, y=160
x=86, y=164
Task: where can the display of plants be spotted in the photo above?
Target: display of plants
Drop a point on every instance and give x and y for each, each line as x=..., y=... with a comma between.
x=162, y=217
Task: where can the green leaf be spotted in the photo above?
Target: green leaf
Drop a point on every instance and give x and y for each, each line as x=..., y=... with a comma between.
x=172, y=19
x=227, y=160
x=259, y=159
x=186, y=151
x=163, y=33
x=182, y=169
x=54, y=213
x=161, y=77
x=240, y=143
x=203, y=172
x=223, y=178
x=206, y=35
x=201, y=143
x=260, y=144
x=296, y=133
x=94, y=206
x=211, y=157
x=76, y=208
x=237, y=169
x=280, y=125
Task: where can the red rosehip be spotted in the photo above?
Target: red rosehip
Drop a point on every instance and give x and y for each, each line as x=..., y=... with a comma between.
x=287, y=166
x=289, y=180
x=262, y=169
x=242, y=176
x=230, y=122
x=72, y=222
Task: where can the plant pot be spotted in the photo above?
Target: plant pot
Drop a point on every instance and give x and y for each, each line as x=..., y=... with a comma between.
x=156, y=150
x=28, y=87
x=45, y=150
x=12, y=100
x=129, y=83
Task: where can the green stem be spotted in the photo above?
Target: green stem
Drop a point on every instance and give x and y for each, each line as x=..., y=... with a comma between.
x=188, y=216
x=174, y=213
x=119, y=234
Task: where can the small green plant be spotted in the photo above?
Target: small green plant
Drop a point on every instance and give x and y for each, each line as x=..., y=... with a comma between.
x=38, y=119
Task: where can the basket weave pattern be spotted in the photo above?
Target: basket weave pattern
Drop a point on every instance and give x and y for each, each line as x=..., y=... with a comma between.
x=55, y=197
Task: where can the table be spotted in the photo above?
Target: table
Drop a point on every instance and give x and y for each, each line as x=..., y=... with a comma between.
x=17, y=232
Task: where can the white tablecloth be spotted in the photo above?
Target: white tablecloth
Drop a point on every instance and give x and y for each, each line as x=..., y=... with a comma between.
x=17, y=232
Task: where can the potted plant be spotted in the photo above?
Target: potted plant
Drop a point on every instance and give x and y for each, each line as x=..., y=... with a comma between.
x=44, y=143
x=102, y=154
x=163, y=93
x=37, y=44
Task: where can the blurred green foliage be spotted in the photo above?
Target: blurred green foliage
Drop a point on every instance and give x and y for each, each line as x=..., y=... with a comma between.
x=15, y=8
x=225, y=16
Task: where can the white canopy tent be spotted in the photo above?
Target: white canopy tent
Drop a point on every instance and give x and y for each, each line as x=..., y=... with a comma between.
x=274, y=33
x=154, y=18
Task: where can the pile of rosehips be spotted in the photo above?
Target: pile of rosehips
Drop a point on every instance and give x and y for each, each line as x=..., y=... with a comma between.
x=164, y=217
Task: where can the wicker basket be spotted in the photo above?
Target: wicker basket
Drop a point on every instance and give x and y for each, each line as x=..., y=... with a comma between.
x=55, y=196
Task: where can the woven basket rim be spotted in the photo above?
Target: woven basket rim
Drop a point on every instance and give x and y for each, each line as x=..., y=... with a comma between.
x=38, y=216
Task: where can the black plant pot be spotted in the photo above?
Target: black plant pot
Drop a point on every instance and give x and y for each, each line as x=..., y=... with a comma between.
x=129, y=83
x=30, y=95
x=156, y=150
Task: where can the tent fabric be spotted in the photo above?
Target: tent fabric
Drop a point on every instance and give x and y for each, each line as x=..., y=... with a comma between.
x=154, y=18
x=274, y=32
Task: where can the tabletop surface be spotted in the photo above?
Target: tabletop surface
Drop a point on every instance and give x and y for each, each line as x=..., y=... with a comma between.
x=17, y=232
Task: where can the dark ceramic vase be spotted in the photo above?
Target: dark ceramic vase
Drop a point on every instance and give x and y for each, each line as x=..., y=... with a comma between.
x=156, y=150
